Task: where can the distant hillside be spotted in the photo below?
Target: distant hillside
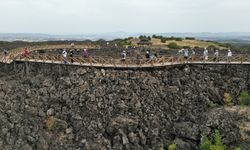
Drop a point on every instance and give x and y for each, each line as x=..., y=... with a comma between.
x=220, y=37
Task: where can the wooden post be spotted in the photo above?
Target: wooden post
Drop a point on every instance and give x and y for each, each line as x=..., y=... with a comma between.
x=26, y=68
x=90, y=61
x=152, y=62
x=60, y=69
x=5, y=65
x=113, y=60
x=15, y=66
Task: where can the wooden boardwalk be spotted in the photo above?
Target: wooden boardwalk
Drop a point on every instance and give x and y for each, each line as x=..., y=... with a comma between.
x=99, y=65
x=109, y=62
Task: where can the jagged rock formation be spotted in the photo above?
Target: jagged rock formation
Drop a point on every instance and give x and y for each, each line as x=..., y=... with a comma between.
x=66, y=107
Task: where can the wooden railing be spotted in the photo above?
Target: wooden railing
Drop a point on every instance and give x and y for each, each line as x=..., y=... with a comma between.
x=129, y=62
x=16, y=55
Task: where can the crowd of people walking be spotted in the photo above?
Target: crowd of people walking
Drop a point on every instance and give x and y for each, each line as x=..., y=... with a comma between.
x=186, y=54
x=85, y=54
x=150, y=55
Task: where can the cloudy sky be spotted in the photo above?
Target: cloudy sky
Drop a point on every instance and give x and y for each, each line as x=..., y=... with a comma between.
x=104, y=16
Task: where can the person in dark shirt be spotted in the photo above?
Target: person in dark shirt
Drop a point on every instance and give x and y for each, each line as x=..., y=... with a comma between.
x=5, y=53
x=71, y=53
x=147, y=55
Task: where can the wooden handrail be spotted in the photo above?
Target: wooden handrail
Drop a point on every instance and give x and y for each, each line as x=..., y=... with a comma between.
x=116, y=62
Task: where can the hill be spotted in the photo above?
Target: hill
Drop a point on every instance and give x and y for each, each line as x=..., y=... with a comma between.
x=156, y=42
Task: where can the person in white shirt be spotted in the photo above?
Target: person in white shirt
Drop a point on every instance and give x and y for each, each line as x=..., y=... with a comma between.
x=216, y=55
x=229, y=55
x=186, y=53
x=193, y=52
x=123, y=57
x=205, y=54
x=180, y=52
x=64, y=54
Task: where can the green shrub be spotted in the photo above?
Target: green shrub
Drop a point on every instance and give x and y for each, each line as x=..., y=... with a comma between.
x=178, y=39
x=190, y=38
x=206, y=144
x=125, y=42
x=218, y=141
x=144, y=38
x=214, y=147
x=244, y=98
x=173, y=45
x=163, y=40
x=187, y=47
x=238, y=148
x=157, y=36
x=172, y=147
x=211, y=47
x=211, y=104
x=227, y=45
x=172, y=38
x=248, y=48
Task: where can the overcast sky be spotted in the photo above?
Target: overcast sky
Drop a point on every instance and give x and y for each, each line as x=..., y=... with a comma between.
x=103, y=16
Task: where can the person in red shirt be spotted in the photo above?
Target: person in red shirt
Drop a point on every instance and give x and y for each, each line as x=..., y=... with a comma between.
x=26, y=52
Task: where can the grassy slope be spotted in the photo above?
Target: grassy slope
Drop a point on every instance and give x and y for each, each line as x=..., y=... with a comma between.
x=191, y=43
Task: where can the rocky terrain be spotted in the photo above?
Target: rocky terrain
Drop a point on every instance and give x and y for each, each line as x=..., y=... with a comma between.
x=64, y=107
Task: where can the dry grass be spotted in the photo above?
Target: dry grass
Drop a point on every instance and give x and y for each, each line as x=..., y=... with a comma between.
x=191, y=43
